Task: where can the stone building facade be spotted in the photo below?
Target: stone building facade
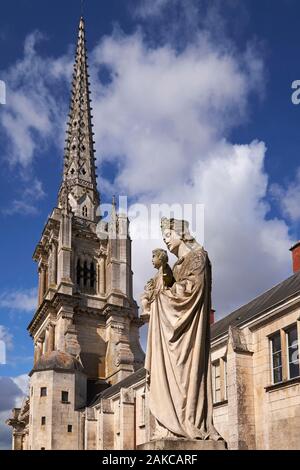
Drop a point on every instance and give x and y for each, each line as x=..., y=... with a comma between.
x=87, y=386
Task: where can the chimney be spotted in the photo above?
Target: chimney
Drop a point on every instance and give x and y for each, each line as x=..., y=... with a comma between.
x=296, y=256
x=212, y=316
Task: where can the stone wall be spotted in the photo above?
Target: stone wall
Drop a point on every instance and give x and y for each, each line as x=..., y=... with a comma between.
x=277, y=408
x=61, y=427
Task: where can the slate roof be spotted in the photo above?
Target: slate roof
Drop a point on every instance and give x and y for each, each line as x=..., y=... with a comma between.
x=275, y=296
x=125, y=383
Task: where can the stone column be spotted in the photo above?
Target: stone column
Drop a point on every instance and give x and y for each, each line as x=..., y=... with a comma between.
x=102, y=280
x=50, y=344
x=50, y=266
x=81, y=284
x=53, y=265
x=17, y=440
x=26, y=439
x=127, y=419
x=39, y=351
x=90, y=429
x=35, y=357
x=241, y=411
x=41, y=285
x=44, y=350
x=46, y=347
x=64, y=321
x=98, y=277
x=106, y=426
x=46, y=280
x=71, y=340
x=119, y=358
x=43, y=282
x=64, y=278
x=124, y=256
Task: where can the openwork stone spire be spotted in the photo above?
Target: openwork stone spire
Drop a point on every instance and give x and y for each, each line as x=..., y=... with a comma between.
x=79, y=186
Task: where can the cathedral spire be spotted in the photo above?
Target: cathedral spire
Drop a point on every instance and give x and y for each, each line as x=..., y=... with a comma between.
x=79, y=186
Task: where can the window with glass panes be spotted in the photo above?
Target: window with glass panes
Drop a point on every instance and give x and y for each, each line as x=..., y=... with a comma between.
x=216, y=381
x=292, y=352
x=225, y=380
x=276, y=358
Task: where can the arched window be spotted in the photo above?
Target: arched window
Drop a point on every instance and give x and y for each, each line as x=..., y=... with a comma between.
x=92, y=276
x=85, y=274
x=78, y=272
x=84, y=211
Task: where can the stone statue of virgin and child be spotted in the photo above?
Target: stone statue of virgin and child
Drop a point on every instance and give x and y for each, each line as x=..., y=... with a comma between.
x=178, y=303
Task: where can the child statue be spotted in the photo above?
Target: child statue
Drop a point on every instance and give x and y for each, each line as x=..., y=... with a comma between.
x=162, y=280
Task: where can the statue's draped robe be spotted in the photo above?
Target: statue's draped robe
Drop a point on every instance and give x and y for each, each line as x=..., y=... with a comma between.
x=178, y=351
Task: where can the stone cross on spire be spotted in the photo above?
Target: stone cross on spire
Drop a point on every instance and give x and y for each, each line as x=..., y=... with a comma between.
x=79, y=186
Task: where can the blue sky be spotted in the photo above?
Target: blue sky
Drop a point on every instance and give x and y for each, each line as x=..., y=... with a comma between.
x=202, y=89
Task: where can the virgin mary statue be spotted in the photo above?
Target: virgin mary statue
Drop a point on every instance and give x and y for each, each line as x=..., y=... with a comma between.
x=178, y=349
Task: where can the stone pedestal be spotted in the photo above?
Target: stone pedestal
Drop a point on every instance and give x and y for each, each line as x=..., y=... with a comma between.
x=182, y=444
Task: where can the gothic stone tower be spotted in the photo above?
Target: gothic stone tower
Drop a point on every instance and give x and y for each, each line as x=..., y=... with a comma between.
x=86, y=327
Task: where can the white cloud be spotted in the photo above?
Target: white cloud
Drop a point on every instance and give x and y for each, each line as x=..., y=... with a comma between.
x=180, y=22
x=288, y=198
x=22, y=381
x=240, y=240
x=6, y=337
x=163, y=118
x=20, y=207
x=238, y=235
x=33, y=117
x=146, y=8
x=166, y=108
x=21, y=300
x=13, y=392
x=5, y=431
x=26, y=205
x=35, y=190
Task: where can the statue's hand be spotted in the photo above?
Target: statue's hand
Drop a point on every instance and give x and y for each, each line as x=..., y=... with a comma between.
x=145, y=317
x=149, y=285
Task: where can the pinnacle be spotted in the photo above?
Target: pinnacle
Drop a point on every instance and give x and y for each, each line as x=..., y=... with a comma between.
x=79, y=150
